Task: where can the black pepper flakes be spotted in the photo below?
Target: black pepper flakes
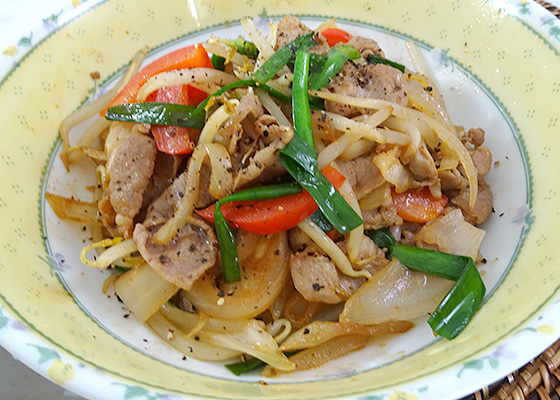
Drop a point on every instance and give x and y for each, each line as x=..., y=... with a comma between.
x=221, y=293
x=163, y=258
x=317, y=287
x=305, y=331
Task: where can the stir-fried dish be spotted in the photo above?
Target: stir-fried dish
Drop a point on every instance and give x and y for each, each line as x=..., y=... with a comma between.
x=280, y=199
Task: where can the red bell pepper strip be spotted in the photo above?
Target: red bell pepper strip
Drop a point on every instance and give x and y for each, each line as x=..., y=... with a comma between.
x=266, y=217
x=187, y=57
x=418, y=205
x=176, y=139
x=335, y=35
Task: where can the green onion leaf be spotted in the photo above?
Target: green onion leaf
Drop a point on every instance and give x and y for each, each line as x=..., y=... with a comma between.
x=282, y=56
x=382, y=237
x=300, y=160
x=300, y=99
x=157, y=114
x=246, y=48
x=242, y=367
x=321, y=221
x=375, y=59
x=444, y=265
x=218, y=62
x=459, y=305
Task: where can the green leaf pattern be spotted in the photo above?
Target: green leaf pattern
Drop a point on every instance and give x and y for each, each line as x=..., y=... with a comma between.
x=45, y=353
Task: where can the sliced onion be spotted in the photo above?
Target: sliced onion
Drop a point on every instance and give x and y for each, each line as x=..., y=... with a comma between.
x=143, y=291
x=392, y=170
x=217, y=118
x=74, y=210
x=395, y=293
x=319, y=332
x=323, y=353
x=191, y=347
x=264, y=271
x=452, y=234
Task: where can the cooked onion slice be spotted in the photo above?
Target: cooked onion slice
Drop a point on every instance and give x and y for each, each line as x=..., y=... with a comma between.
x=74, y=210
x=321, y=354
x=319, y=332
x=143, y=291
x=452, y=234
x=395, y=293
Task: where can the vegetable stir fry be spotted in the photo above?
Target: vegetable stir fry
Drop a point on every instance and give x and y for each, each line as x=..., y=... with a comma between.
x=279, y=200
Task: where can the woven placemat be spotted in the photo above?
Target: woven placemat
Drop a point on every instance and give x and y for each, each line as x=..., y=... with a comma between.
x=540, y=378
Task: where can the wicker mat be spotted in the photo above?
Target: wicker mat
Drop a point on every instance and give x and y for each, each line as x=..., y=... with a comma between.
x=540, y=378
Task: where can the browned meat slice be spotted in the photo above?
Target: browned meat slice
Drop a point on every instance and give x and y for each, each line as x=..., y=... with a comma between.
x=423, y=167
x=482, y=208
x=189, y=254
x=475, y=136
x=316, y=277
x=377, y=81
x=362, y=174
x=231, y=133
x=366, y=46
x=183, y=260
x=166, y=169
x=381, y=217
x=482, y=159
x=267, y=127
x=130, y=172
x=289, y=28
x=264, y=165
x=452, y=179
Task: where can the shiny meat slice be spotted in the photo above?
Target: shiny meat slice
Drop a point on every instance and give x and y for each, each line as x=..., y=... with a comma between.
x=452, y=179
x=366, y=46
x=475, y=136
x=165, y=205
x=166, y=169
x=232, y=130
x=289, y=28
x=482, y=159
x=130, y=173
x=316, y=278
x=482, y=208
x=423, y=167
x=362, y=174
x=183, y=260
x=371, y=258
x=262, y=167
x=267, y=127
x=377, y=81
x=381, y=217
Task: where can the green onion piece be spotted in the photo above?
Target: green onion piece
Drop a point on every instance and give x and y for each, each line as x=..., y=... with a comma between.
x=444, y=265
x=282, y=56
x=375, y=59
x=157, y=114
x=246, y=48
x=226, y=239
x=316, y=62
x=459, y=305
x=349, y=50
x=250, y=364
x=321, y=221
x=228, y=248
x=243, y=367
x=300, y=99
x=218, y=62
x=382, y=237
x=300, y=160
x=463, y=300
x=335, y=60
